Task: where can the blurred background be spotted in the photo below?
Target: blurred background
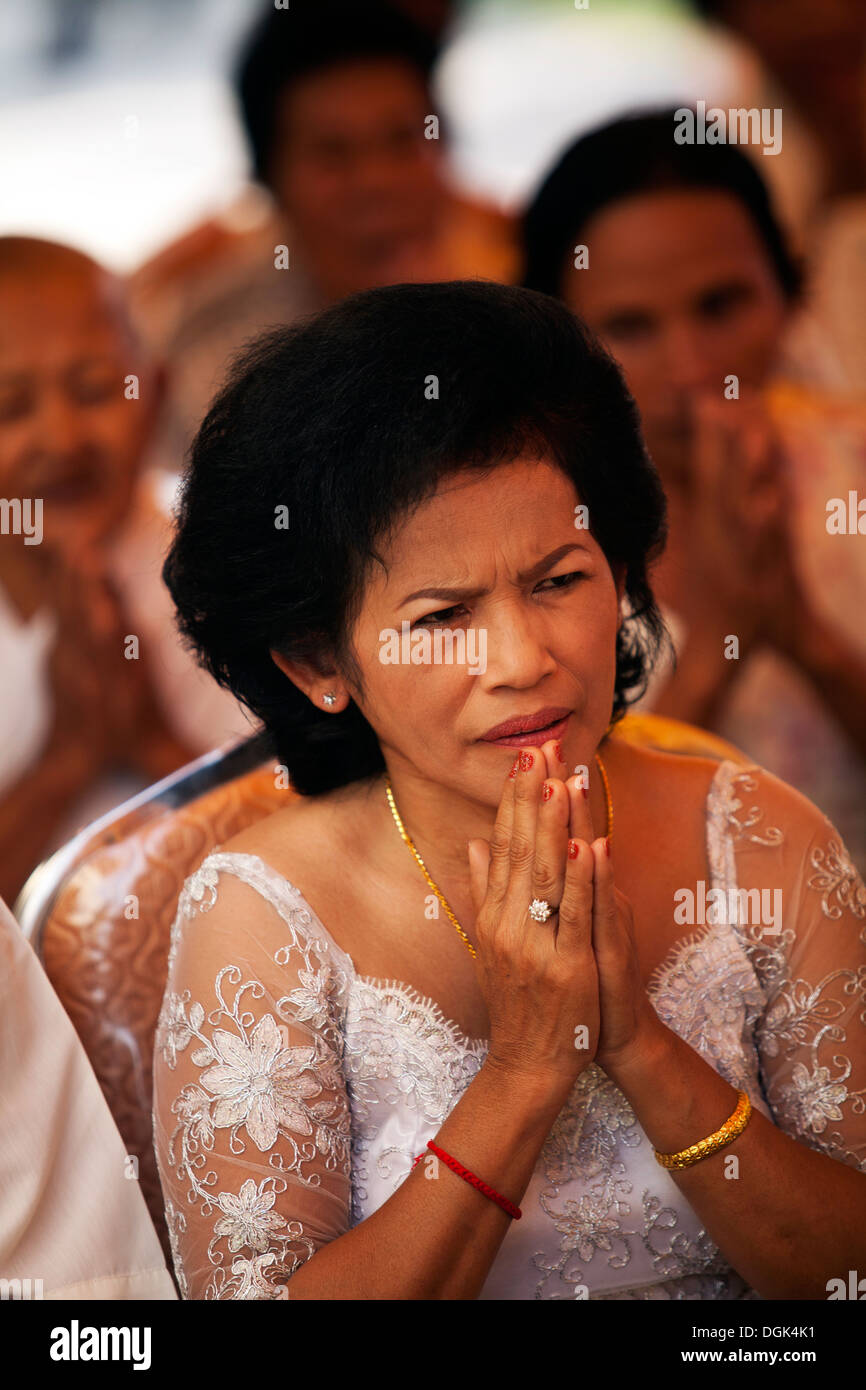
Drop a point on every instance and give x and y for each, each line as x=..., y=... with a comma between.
x=118, y=128
x=158, y=157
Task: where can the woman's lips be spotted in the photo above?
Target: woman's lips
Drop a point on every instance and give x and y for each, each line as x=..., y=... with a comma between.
x=531, y=740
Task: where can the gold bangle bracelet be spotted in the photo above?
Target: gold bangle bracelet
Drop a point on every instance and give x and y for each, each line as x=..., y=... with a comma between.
x=729, y=1131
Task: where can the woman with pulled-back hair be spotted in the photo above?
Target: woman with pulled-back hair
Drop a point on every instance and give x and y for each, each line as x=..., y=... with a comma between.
x=692, y=288
x=436, y=1028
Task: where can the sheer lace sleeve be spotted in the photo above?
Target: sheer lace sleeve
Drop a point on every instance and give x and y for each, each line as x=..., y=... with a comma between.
x=809, y=952
x=251, y=1119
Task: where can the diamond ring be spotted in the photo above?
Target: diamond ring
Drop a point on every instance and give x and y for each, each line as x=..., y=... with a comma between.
x=540, y=909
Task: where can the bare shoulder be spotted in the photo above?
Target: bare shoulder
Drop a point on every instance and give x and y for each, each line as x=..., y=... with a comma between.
x=678, y=786
x=660, y=803
x=306, y=830
x=679, y=782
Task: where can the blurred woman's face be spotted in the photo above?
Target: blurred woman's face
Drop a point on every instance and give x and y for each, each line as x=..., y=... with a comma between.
x=539, y=590
x=681, y=288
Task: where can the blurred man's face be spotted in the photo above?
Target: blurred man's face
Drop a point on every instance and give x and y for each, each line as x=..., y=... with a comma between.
x=354, y=171
x=68, y=433
x=683, y=292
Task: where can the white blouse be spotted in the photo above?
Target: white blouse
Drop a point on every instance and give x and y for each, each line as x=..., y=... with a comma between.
x=292, y=1094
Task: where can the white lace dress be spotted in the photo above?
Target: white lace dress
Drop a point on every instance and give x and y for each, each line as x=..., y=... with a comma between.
x=291, y=1095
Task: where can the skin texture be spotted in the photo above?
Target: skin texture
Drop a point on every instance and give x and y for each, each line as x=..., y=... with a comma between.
x=529, y=987
x=358, y=180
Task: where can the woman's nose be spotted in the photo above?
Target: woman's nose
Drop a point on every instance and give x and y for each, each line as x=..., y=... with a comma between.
x=689, y=360
x=517, y=648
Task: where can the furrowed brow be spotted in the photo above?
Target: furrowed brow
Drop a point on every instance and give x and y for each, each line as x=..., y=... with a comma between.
x=525, y=577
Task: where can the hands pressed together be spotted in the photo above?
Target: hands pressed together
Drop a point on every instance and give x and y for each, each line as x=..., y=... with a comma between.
x=104, y=702
x=567, y=991
x=742, y=572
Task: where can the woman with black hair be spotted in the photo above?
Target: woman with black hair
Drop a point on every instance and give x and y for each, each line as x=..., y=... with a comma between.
x=436, y=1029
x=672, y=254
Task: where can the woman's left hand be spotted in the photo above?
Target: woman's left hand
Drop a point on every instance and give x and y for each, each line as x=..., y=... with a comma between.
x=629, y=1023
x=628, y=1020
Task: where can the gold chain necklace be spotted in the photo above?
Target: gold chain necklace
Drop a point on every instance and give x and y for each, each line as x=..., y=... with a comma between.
x=400, y=826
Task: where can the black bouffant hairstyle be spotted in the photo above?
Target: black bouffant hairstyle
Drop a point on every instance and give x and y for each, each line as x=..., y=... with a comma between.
x=329, y=419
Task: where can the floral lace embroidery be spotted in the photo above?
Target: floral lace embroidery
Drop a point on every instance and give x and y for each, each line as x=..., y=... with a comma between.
x=259, y=1088
x=176, y=1224
x=395, y=1035
x=597, y=1120
x=708, y=993
x=399, y=1051
x=738, y=829
x=395, y=1051
x=836, y=876
x=673, y=1254
x=582, y=1145
x=800, y=1014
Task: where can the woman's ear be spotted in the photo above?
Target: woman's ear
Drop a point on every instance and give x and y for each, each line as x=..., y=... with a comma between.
x=300, y=673
x=312, y=680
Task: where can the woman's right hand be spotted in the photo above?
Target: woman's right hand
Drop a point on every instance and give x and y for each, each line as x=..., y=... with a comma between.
x=736, y=525
x=539, y=979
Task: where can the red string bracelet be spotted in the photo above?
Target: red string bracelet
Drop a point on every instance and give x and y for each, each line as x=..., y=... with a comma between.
x=514, y=1212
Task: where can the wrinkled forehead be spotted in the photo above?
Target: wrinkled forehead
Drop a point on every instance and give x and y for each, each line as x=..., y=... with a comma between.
x=496, y=519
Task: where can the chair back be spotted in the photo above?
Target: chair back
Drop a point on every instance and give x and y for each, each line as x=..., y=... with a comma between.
x=99, y=914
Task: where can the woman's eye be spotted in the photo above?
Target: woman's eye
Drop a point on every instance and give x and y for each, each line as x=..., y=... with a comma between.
x=628, y=328
x=565, y=581
x=444, y=615
x=432, y=619
x=725, y=302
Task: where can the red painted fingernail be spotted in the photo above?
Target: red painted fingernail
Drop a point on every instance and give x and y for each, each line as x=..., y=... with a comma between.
x=526, y=761
x=557, y=748
x=573, y=849
x=607, y=846
x=514, y=767
x=546, y=791
x=584, y=791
